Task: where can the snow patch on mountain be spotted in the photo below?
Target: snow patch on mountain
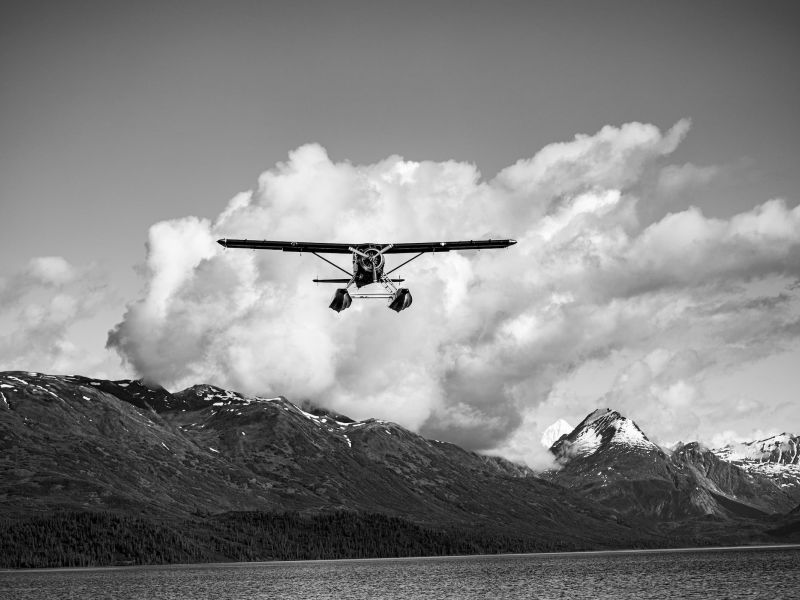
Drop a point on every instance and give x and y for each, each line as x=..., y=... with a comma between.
x=603, y=429
x=587, y=442
x=781, y=448
x=595, y=415
x=776, y=457
x=553, y=433
x=628, y=434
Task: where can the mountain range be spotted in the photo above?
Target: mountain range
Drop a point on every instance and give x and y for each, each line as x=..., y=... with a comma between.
x=609, y=459
x=195, y=466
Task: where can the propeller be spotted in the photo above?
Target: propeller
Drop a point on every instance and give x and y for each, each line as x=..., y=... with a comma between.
x=357, y=251
x=374, y=256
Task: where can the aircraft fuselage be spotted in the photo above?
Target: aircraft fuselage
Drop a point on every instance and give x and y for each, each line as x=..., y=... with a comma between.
x=368, y=269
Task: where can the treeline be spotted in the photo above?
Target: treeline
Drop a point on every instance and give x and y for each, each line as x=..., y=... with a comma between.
x=291, y=536
x=77, y=539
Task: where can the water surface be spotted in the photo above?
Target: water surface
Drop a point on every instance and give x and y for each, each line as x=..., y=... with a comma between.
x=725, y=573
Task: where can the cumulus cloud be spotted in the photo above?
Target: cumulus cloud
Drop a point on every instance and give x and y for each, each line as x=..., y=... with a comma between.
x=39, y=307
x=613, y=158
x=659, y=391
x=490, y=333
x=677, y=179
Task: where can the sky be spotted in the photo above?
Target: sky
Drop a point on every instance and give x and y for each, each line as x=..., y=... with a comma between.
x=644, y=155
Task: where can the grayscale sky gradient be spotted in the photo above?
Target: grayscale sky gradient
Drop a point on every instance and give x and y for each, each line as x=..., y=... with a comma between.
x=116, y=116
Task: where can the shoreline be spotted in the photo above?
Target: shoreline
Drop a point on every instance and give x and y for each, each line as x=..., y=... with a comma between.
x=576, y=553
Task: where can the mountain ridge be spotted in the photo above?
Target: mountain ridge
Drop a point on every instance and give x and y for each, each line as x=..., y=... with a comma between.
x=71, y=443
x=83, y=445
x=609, y=458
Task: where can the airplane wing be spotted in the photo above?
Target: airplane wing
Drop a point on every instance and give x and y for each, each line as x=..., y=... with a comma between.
x=322, y=248
x=329, y=248
x=414, y=247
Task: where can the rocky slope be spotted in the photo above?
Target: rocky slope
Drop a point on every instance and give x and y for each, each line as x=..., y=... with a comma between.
x=69, y=442
x=609, y=459
x=188, y=459
x=776, y=457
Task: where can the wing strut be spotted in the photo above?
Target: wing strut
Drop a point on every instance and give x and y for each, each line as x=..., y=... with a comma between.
x=404, y=263
x=332, y=263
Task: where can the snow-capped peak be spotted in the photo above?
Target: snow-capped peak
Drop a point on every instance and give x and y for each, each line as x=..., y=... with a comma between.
x=781, y=448
x=603, y=428
x=553, y=433
x=777, y=457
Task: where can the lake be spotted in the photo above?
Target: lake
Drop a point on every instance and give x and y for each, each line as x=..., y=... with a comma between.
x=730, y=573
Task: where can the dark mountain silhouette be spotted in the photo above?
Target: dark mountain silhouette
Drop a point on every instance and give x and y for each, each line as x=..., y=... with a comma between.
x=210, y=474
x=609, y=459
x=776, y=457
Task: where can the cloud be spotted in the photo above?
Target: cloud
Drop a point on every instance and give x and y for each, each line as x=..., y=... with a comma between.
x=40, y=305
x=613, y=158
x=677, y=179
x=490, y=334
x=661, y=387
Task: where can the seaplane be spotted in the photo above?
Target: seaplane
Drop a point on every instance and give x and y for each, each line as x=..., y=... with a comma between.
x=369, y=264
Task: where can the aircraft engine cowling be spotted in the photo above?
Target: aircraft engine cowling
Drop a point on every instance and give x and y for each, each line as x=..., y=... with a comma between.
x=401, y=301
x=373, y=261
